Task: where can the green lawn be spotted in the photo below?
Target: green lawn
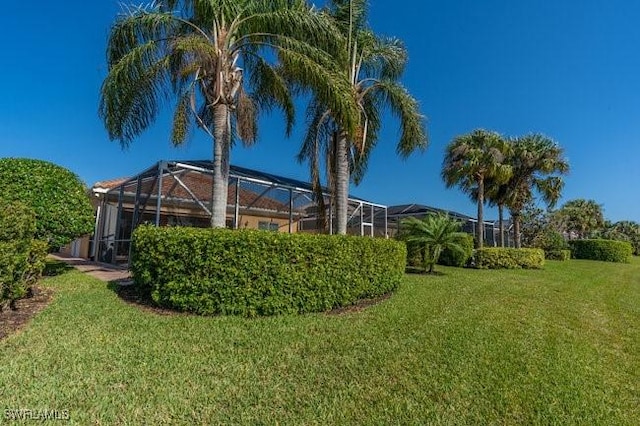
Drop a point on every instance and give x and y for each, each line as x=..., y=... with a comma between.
x=558, y=346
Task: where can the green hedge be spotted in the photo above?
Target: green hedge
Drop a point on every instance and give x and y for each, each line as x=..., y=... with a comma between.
x=605, y=250
x=450, y=257
x=557, y=254
x=21, y=257
x=509, y=258
x=58, y=198
x=250, y=272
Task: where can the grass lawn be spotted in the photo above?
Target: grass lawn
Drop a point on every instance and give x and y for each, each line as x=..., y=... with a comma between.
x=557, y=346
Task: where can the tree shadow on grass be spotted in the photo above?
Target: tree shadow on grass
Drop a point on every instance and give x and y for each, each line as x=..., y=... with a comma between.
x=412, y=270
x=53, y=268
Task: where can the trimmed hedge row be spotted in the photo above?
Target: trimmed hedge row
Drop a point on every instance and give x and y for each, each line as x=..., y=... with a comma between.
x=509, y=258
x=557, y=254
x=250, y=272
x=605, y=250
x=450, y=257
x=21, y=257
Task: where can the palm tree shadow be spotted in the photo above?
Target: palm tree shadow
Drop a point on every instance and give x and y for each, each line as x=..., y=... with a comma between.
x=412, y=270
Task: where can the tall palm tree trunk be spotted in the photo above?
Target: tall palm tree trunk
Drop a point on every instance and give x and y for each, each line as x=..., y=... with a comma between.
x=342, y=183
x=480, y=227
x=516, y=230
x=221, y=145
x=501, y=223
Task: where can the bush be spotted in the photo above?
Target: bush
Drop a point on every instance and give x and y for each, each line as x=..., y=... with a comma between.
x=550, y=240
x=250, y=272
x=56, y=196
x=557, y=255
x=509, y=258
x=21, y=257
x=414, y=255
x=605, y=250
x=450, y=257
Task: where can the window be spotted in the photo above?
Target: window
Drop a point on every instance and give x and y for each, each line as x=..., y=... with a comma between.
x=268, y=226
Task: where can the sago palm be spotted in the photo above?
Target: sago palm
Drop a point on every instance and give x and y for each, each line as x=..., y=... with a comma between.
x=371, y=66
x=218, y=62
x=470, y=161
x=433, y=234
x=537, y=164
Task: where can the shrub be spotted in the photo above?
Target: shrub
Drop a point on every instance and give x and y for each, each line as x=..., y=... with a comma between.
x=56, y=196
x=21, y=257
x=414, y=255
x=36, y=262
x=605, y=250
x=250, y=272
x=557, y=254
x=509, y=258
x=550, y=240
x=450, y=257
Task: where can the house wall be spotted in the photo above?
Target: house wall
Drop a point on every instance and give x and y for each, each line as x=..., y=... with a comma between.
x=254, y=222
x=77, y=248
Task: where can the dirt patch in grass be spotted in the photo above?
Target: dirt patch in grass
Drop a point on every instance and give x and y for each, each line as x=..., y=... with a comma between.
x=12, y=320
x=359, y=306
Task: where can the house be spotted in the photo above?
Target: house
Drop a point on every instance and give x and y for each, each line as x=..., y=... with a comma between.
x=178, y=193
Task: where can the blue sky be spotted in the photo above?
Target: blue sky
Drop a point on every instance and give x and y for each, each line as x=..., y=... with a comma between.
x=568, y=69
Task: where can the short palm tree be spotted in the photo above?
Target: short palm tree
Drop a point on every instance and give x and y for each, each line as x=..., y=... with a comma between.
x=219, y=61
x=470, y=161
x=434, y=233
x=371, y=66
x=537, y=165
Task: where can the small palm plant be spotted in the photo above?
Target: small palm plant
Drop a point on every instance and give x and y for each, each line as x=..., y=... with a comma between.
x=434, y=233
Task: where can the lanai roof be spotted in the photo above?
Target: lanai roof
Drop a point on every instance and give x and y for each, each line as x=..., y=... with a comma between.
x=234, y=171
x=405, y=210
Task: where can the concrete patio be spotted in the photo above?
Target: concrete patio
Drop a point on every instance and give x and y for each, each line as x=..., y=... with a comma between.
x=101, y=271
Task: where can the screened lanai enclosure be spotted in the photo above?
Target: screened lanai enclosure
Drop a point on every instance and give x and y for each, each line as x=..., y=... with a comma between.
x=468, y=224
x=178, y=193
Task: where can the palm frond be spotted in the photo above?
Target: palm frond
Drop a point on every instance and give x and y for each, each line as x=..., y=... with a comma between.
x=412, y=128
x=133, y=91
x=271, y=89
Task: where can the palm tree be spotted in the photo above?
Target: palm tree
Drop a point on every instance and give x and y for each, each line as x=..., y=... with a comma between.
x=631, y=230
x=371, y=66
x=497, y=194
x=434, y=233
x=219, y=60
x=497, y=191
x=537, y=163
x=582, y=217
x=470, y=161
